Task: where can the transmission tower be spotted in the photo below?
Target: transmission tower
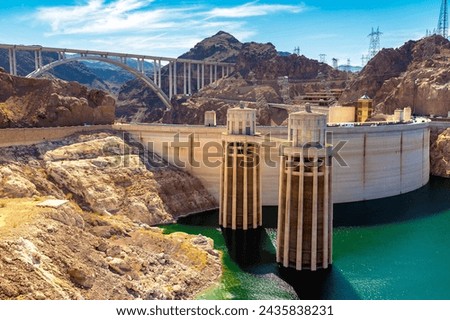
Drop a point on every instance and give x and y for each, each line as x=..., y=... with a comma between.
x=364, y=60
x=297, y=50
x=323, y=58
x=374, y=45
x=442, y=28
x=335, y=63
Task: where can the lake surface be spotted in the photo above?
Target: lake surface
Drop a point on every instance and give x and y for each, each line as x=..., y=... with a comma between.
x=393, y=248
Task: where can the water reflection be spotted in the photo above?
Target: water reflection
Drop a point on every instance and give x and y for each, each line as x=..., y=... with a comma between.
x=319, y=285
x=432, y=198
x=246, y=247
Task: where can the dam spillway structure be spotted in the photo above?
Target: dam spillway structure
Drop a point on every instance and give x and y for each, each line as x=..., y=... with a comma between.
x=240, y=174
x=305, y=208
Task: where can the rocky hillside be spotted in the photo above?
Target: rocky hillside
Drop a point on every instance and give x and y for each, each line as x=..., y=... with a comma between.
x=416, y=75
x=99, y=245
x=47, y=103
x=440, y=152
x=255, y=79
x=66, y=253
x=220, y=47
x=104, y=174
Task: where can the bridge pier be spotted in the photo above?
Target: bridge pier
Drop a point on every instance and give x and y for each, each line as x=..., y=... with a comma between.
x=159, y=73
x=175, y=77
x=155, y=72
x=203, y=76
x=215, y=72
x=184, y=79
x=12, y=61
x=210, y=74
x=37, y=61
x=198, y=76
x=190, y=78
x=170, y=80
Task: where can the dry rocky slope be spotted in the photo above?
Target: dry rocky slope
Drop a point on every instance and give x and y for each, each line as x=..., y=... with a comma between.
x=99, y=245
x=48, y=102
x=440, y=152
x=416, y=75
x=258, y=67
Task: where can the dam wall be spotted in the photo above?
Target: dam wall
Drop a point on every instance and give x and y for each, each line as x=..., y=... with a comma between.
x=374, y=162
x=29, y=136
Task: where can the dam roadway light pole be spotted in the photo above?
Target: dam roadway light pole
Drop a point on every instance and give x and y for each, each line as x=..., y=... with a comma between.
x=240, y=174
x=305, y=207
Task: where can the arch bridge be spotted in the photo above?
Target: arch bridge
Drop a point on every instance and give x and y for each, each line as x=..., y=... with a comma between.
x=189, y=67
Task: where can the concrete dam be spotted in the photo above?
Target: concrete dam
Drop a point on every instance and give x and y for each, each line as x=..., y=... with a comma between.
x=368, y=163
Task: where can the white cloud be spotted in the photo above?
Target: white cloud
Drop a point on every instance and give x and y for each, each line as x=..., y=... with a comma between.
x=253, y=9
x=97, y=17
x=140, y=25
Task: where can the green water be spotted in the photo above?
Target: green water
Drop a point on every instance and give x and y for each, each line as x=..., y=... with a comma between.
x=394, y=248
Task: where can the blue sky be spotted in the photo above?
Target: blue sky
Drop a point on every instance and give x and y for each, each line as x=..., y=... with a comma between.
x=169, y=28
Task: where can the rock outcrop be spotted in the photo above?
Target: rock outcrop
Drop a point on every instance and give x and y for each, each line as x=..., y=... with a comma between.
x=105, y=175
x=415, y=75
x=100, y=244
x=65, y=253
x=47, y=103
x=440, y=152
x=220, y=47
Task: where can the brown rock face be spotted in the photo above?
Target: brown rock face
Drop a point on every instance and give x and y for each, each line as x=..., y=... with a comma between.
x=106, y=175
x=265, y=63
x=43, y=257
x=220, y=47
x=415, y=75
x=47, y=103
x=100, y=244
x=440, y=153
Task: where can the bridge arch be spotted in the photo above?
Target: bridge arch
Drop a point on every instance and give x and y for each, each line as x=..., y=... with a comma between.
x=149, y=82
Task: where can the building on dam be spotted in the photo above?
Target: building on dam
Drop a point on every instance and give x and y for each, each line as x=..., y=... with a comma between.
x=305, y=207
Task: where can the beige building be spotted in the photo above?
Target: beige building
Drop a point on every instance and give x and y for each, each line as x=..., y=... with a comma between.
x=210, y=119
x=240, y=174
x=341, y=114
x=364, y=109
x=305, y=207
x=407, y=112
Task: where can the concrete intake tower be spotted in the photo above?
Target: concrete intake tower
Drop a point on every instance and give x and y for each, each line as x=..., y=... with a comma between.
x=240, y=177
x=305, y=208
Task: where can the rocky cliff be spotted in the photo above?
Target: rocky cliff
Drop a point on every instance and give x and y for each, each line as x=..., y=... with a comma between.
x=440, y=152
x=65, y=253
x=99, y=245
x=47, y=103
x=416, y=75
